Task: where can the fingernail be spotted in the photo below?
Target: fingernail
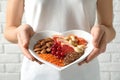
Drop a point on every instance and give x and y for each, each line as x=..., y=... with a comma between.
x=87, y=61
x=32, y=59
x=81, y=63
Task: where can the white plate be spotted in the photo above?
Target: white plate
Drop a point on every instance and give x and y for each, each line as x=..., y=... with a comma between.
x=45, y=34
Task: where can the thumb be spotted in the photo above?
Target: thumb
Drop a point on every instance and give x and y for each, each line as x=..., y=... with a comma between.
x=23, y=42
x=97, y=36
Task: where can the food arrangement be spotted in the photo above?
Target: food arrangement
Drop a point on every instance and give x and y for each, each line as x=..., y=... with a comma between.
x=60, y=50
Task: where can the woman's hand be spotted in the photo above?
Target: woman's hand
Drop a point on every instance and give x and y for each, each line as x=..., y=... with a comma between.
x=24, y=33
x=99, y=42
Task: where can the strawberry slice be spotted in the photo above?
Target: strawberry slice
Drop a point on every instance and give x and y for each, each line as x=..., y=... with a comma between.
x=67, y=49
x=82, y=41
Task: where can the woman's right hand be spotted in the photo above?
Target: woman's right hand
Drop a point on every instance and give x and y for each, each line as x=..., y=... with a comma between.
x=24, y=33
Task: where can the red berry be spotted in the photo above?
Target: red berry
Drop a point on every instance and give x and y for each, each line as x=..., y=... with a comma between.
x=62, y=54
x=60, y=50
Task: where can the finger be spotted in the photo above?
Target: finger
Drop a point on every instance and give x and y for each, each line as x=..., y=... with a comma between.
x=82, y=62
x=38, y=61
x=99, y=50
x=24, y=38
x=93, y=54
x=23, y=45
x=103, y=50
x=27, y=54
x=97, y=37
x=103, y=44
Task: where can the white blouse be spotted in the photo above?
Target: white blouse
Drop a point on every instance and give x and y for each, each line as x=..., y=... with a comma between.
x=60, y=15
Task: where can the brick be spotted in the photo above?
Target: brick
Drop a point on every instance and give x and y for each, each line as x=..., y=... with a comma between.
x=104, y=57
x=117, y=27
x=116, y=5
x=21, y=57
x=0, y=7
x=12, y=68
x=0, y=29
x=9, y=76
x=116, y=18
x=2, y=76
x=3, y=5
x=12, y=76
x=115, y=57
x=3, y=40
x=2, y=68
x=105, y=76
x=2, y=17
x=116, y=40
x=3, y=27
x=113, y=48
x=1, y=48
x=11, y=48
x=110, y=67
x=115, y=75
x=9, y=58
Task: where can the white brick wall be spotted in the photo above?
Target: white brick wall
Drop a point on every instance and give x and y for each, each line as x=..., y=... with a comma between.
x=10, y=55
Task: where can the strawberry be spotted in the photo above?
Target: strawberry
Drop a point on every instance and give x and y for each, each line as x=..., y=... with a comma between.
x=66, y=49
x=82, y=41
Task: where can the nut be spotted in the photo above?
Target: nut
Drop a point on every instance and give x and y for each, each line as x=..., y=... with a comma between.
x=67, y=38
x=81, y=46
x=48, y=50
x=37, y=46
x=48, y=40
x=71, y=42
x=38, y=52
x=72, y=38
x=37, y=49
x=43, y=45
x=49, y=44
x=42, y=42
x=43, y=51
x=78, y=49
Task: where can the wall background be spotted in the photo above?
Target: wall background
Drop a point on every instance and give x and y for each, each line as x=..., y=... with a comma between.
x=11, y=57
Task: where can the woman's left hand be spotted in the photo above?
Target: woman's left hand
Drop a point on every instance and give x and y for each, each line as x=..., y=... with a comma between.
x=99, y=42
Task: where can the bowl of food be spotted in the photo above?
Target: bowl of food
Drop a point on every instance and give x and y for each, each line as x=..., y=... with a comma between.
x=61, y=50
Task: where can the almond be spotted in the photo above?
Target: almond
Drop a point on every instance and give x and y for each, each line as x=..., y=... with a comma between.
x=37, y=49
x=43, y=51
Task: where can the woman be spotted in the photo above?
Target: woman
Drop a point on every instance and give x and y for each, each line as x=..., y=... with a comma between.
x=60, y=15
